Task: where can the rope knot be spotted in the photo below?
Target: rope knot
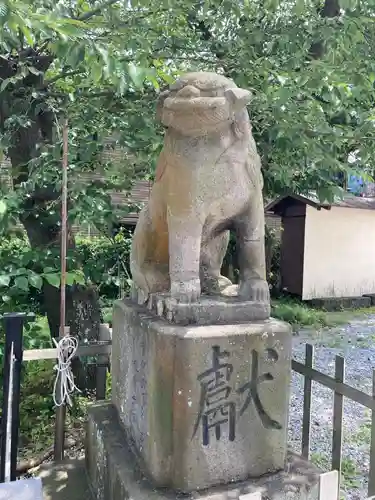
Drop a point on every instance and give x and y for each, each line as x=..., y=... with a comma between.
x=64, y=385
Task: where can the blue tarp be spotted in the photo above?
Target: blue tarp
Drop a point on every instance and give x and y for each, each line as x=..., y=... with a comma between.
x=356, y=185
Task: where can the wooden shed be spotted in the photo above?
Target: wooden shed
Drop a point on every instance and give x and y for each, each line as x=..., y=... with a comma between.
x=327, y=250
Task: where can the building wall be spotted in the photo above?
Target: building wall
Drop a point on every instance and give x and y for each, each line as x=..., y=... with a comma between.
x=339, y=256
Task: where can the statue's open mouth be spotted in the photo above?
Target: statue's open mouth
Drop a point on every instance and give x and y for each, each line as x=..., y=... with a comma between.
x=182, y=103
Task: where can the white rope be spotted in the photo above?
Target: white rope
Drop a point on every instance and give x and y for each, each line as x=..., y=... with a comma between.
x=64, y=385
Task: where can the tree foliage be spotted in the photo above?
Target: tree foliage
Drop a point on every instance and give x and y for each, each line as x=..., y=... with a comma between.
x=102, y=63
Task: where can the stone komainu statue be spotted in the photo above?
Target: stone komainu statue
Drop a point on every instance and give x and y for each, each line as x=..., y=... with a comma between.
x=208, y=181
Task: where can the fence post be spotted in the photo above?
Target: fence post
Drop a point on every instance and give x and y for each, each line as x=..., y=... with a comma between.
x=306, y=418
x=102, y=364
x=371, y=479
x=13, y=354
x=338, y=406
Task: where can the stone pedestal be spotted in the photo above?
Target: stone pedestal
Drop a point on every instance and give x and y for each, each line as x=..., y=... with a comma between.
x=198, y=410
x=203, y=404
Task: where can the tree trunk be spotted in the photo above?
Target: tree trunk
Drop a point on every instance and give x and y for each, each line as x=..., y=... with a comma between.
x=83, y=314
x=330, y=9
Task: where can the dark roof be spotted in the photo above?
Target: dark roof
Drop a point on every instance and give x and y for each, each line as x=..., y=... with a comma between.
x=347, y=201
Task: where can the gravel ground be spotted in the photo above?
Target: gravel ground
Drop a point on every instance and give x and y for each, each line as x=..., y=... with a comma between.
x=356, y=343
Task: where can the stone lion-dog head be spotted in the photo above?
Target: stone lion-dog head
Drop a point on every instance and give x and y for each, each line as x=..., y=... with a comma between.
x=196, y=106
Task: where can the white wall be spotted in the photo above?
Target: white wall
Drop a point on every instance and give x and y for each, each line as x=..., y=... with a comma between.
x=339, y=259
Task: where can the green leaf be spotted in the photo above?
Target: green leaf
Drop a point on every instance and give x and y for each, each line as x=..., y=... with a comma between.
x=4, y=280
x=80, y=278
x=3, y=208
x=136, y=74
x=36, y=281
x=299, y=7
x=4, y=84
x=3, y=9
x=75, y=277
x=97, y=71
x=22, y=283
x=33, y=70
x=20, y=271
x=53, y=279
x=48, y=270
x=28, y=36
x=70, y=279
x=167, y=78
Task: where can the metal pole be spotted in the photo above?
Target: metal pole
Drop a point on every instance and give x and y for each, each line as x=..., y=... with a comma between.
x=13, y=325
x=64, y=222
x=4, y=457
x=61, y=410
x=8, y=435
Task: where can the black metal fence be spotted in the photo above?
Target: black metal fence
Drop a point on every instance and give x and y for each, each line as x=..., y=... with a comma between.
x=14, y=356
x=340, y=390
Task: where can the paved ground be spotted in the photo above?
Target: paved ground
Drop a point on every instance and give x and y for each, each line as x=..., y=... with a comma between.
x=65, y=482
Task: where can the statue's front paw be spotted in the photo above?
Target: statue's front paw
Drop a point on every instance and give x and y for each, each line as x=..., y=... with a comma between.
x=214, y=285
x=223, y=283
x=255, y=290
x=187, y=291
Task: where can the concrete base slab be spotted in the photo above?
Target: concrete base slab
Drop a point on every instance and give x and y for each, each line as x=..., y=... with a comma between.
x=65, y=481
x=338, y=303
x=25, y=489
x=115, y=473
x=370, y=296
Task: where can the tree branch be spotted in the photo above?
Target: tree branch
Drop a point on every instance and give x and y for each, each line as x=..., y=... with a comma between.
x=94, y=12
x=64, y=74
x=44, y=45
x=330, y=10
x=104, y=93
x=205, y=34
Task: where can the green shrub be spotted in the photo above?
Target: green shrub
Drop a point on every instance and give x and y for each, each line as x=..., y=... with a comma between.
x=105, y=262
x=101, y=261
x=297, y=313
x=36, y=405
